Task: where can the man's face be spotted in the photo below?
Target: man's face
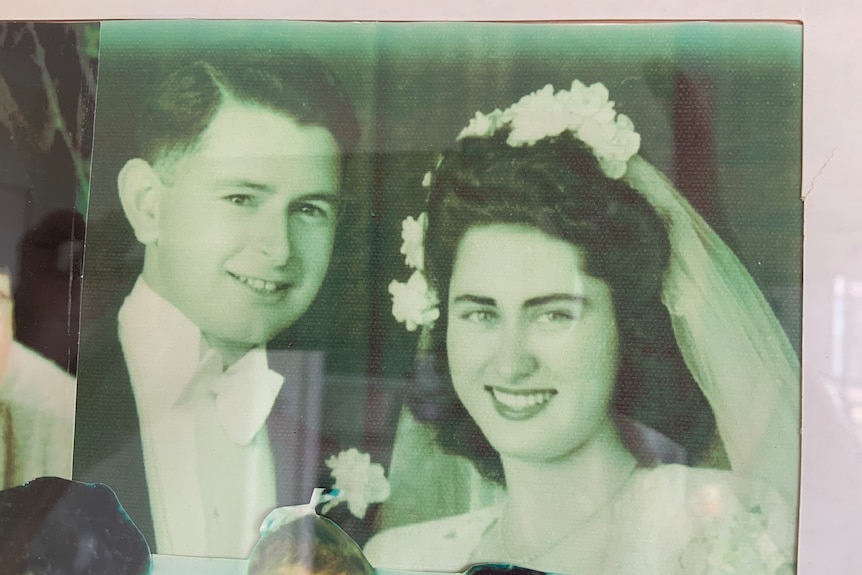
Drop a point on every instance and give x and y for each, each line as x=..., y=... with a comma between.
x=245, y=226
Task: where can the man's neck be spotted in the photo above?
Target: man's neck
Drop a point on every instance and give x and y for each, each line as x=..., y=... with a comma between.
x=231, y=352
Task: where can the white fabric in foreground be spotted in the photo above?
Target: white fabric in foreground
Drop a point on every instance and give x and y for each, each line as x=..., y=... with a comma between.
x=37, y=418
x=672, y=520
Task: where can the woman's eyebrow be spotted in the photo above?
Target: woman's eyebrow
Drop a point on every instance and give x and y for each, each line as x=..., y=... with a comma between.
x=468, y=298
x=552, y=298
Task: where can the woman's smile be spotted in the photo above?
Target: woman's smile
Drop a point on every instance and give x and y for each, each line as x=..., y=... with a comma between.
x=521, y=404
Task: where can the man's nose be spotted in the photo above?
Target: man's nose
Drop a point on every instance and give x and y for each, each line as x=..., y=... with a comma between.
x=273, y=238
x=515, y=358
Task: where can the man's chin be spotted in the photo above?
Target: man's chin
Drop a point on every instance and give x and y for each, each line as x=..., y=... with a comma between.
x=242, y=340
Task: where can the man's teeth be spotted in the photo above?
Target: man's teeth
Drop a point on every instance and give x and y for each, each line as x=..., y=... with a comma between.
x=521, y=400
x=259, y=284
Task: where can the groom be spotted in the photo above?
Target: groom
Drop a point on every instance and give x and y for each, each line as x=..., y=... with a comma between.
x=234, y=193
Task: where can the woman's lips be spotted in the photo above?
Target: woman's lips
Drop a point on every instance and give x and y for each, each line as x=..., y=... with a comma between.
x=521, y=404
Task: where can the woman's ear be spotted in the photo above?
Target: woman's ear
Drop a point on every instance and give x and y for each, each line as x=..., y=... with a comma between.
x=140, y=189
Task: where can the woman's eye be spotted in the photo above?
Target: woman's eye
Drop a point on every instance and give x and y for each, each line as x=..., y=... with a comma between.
x=556, y=317
x=481, y=317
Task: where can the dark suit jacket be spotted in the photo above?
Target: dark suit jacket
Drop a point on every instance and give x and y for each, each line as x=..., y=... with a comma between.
x=108, y=439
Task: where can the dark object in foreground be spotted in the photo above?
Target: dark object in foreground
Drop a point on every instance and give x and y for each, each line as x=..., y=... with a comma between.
x=500, y=569
x=53, y=526
x=311, y=544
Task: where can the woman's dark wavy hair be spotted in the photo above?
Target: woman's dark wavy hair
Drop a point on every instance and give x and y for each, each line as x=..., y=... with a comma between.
x=557, y=186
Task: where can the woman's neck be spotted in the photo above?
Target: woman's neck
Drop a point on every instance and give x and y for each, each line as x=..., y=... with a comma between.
x=550, y=499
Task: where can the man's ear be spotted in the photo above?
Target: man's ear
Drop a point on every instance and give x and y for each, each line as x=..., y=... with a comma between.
x=140, y=189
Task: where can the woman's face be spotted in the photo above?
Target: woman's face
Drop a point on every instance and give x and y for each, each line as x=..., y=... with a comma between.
x=532, y=342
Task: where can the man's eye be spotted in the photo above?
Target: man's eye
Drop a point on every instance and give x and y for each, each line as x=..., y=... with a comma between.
x=315, y=211
x=240, y=199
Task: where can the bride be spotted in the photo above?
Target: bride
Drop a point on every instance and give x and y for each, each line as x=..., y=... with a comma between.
x=578, y=299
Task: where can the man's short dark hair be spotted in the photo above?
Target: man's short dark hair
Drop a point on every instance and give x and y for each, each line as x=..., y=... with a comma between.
x=292, y=83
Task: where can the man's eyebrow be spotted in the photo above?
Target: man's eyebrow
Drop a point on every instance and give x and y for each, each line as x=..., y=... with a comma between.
x=330, y=197
x=243, y=183
x=553, y=298
x=468, y=298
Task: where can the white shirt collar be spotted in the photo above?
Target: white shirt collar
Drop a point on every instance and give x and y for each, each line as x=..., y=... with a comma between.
x=170, y=364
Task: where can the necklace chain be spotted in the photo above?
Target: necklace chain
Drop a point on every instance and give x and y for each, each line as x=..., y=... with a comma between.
x=524, y=561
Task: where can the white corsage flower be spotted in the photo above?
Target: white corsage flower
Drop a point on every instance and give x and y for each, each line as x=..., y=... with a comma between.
x=413, y=234
x=414, y=303
x=360, y=482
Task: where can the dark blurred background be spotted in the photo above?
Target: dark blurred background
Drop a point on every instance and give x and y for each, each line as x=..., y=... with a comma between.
x=47, y=97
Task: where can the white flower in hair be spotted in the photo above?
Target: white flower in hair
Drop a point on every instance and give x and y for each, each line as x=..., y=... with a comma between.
x=359, y=481
x=613, y=143
x=536, y=116
x=482, y=126
x=413, y=234
x=585, y=111
x=414, y=303
x=587, y=103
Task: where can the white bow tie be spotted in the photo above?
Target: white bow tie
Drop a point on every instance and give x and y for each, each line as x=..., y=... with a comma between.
x=244, y=393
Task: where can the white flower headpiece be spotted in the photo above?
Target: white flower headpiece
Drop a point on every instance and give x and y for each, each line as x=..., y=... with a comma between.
x=414, y=303
x=584, y=111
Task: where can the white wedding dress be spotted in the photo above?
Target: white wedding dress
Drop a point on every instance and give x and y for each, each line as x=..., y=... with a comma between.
x=671, y=519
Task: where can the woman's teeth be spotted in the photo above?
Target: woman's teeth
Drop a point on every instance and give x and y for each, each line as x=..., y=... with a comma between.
x=522, y=400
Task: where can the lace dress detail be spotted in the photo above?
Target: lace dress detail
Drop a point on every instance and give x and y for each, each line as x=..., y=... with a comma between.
x=674, y=519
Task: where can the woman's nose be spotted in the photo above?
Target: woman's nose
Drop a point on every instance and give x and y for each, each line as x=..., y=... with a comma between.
x=515, y=359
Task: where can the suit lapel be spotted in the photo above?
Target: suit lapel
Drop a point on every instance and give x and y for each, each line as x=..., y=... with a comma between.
x=303, y=435
x=295, y=426
x=107, y=432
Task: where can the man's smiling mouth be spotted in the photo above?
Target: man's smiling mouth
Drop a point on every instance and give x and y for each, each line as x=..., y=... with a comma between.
x=261, y=285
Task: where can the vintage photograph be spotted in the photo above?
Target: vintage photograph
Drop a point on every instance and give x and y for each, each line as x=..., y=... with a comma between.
x=523, y=294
